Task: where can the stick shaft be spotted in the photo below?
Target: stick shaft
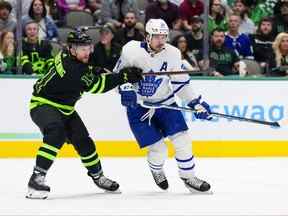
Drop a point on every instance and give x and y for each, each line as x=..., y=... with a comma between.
x=175, y=72
x=274, y=124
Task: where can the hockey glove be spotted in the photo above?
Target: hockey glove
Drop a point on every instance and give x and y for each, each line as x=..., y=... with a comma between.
x=128, y=95
x=202, y=109
x=131, y=74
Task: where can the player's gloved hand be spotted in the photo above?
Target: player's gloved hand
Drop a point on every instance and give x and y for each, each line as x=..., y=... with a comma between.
x=202, y=109
x=131, y=74
x=128, y=95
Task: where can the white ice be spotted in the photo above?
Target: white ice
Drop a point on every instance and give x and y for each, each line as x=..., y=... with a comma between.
x=241, y=186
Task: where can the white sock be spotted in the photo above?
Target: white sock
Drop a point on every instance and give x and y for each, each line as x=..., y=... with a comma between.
x=157, y=154
x=183, y=154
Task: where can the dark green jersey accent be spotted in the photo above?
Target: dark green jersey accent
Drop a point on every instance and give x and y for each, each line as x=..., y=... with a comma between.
x=67, y=79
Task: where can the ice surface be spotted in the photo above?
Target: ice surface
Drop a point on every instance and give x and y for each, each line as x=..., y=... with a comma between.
x=241, y=186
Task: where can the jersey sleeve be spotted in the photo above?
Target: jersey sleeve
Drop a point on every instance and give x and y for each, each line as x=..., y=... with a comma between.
x=102, y=82
x=123, y=61
x=181, y=84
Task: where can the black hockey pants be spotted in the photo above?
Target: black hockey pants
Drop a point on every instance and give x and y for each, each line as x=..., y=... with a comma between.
x=58, y=128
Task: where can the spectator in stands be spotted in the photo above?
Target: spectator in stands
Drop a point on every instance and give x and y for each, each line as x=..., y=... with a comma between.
x=163, y=9
x=188, y=9
x=260, y=9
x=222, y=59
x=113, y=11
x=25, y=7
x=239, y=42
x=176, y=29
x=280, y=21
x=246, y=24
x=38, y=13
x=262, y=42
x=195, y=37
x=217, y=16
x=189, y=61
x=7, y=22
x=106, y=51
x=65, y=6
x=129, y=31
x=94, y=7
x=7, y=53
x=279, y=63
x=36, y=53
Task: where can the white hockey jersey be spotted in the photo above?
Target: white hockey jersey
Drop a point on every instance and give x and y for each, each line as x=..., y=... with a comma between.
x=160, y=88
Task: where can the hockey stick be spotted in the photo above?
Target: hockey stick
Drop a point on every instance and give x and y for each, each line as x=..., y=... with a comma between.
x=178, y=72
x=160, y=105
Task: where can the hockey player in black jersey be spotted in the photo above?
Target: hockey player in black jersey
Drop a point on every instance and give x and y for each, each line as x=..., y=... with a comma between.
x=52, y=110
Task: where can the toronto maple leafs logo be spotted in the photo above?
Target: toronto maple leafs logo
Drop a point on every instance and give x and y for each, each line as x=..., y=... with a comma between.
x=149, y=86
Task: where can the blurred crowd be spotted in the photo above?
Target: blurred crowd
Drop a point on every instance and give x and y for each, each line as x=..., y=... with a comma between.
x=246, y=37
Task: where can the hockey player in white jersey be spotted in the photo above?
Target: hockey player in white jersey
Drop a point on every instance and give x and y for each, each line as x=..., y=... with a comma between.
x=150, y=126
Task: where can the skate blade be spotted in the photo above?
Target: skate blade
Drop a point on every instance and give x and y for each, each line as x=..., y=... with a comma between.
x=197, y=192
x=34, y=194
x=118, y=191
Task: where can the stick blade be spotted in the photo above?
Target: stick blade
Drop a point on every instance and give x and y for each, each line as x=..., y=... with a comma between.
x=275, y=124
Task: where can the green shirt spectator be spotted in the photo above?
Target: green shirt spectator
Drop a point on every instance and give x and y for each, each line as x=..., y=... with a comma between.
x=261, y=9
x=217, y=16
x=7, y=53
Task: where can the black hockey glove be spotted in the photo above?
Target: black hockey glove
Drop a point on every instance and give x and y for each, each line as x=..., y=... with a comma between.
x=131, y=74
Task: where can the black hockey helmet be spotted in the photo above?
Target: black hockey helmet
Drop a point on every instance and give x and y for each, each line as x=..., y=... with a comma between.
x=79, y=37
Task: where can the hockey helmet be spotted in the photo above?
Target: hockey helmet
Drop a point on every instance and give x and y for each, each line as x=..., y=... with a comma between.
x=156, y=26
x=79, y=37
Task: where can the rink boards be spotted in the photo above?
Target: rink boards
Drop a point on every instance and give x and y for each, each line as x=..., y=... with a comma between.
x=108, y=126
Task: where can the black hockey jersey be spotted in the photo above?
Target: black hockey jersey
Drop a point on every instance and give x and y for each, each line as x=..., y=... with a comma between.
x=67, y=79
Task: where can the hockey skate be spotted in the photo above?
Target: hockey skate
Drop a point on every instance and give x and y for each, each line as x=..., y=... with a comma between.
x=160, y=179
x=105, y=183
x=197, y=184
x=37, y=189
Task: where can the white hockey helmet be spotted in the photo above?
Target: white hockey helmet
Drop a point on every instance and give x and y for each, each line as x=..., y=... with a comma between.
x=156, y=26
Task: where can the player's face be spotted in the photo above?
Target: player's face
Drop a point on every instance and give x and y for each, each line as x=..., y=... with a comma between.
x=157, y=42
x=82, y=53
